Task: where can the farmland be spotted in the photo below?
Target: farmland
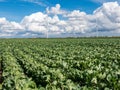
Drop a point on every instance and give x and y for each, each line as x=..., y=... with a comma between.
x=60, y=64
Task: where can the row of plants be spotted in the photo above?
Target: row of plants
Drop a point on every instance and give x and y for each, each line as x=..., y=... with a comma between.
x=13, y=75
x=45, y=77
x=61, y=64
x=91, y=67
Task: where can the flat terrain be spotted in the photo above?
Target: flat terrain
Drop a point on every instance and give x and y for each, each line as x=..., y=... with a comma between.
x=60, y=64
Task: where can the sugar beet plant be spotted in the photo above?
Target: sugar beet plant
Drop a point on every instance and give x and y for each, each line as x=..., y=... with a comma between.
x=60, y=64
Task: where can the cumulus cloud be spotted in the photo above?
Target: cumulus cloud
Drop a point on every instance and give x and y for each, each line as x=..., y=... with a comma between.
x=56, y=22
x=75, y=14
x=9, y=28
x=108, y=16
x=35, y=22
x=55, y=10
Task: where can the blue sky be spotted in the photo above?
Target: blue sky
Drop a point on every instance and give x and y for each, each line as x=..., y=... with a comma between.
x=59, y=18
x=15, y=10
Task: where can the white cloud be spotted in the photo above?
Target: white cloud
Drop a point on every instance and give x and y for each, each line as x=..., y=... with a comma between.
x=108, y=16
x=9, y=28
x=104, y=1
x=38, y=2
x=76, y=14
x=41, y=23
x=57, y=22
x=55, y=10
x=35, y=22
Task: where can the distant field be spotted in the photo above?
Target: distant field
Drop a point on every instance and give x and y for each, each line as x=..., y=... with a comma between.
x=60, y=64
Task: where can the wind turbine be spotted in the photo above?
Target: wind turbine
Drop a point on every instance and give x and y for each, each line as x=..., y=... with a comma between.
x=47, y=34
x=96, y=28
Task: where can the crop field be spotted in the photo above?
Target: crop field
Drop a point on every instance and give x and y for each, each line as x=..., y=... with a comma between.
x=60, y=64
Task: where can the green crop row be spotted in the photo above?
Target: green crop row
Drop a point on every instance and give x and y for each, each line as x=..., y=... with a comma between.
x=14, y=78
x=61, y=64
x=44, y=76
